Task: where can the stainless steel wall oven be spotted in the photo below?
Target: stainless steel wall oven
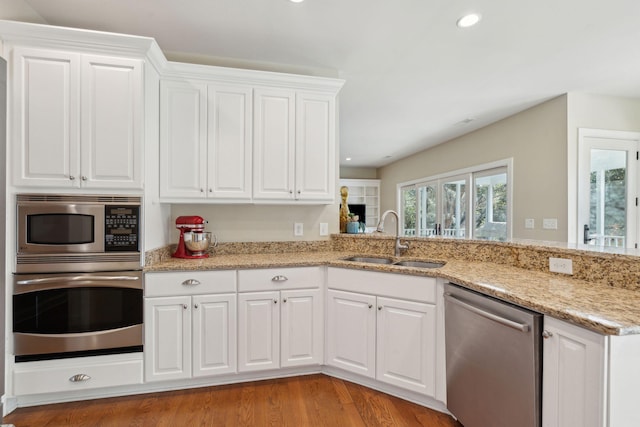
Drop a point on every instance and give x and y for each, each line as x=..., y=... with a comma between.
x=78, y=314
x=77, y=288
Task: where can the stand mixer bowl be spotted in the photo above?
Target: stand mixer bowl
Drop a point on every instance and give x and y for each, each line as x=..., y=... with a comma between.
x=199, y=243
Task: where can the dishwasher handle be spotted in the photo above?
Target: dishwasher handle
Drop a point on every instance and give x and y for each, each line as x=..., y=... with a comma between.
x=506, y=322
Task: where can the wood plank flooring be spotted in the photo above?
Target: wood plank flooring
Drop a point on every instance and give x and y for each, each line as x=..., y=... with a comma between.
x=313, y=400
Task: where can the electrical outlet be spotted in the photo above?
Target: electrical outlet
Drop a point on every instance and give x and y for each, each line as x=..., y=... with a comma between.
x=560, y=265
x=550, y=223
x=530, y=223
x=324, y=228
x=298, y=229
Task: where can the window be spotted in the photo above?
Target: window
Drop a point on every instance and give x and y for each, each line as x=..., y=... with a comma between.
x=490, y=205
x=450, y=206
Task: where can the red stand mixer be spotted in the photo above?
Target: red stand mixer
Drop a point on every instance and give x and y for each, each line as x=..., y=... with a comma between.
x=196, y=243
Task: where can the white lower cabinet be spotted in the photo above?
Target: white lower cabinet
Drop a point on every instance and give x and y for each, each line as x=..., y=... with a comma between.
x=280, y=328
x=84, y=373
x=406, y=346
x=380, y=336
x=192, y=335
x=573, y=380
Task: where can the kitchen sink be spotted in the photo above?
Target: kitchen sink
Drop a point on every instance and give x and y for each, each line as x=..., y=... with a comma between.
x=419, y=264
x=390, y=261
x=372, y=260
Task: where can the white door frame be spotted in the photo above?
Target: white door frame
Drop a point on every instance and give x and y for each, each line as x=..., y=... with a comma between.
x=575, y=221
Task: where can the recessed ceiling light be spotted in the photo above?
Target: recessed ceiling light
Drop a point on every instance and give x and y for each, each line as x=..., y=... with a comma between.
x=348, y=159
x=296, y=1
x=468, y=20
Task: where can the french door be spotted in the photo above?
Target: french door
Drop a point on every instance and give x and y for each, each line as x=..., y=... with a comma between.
x=608, y=188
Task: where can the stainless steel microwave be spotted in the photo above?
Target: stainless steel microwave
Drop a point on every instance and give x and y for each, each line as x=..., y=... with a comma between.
x=77, y=233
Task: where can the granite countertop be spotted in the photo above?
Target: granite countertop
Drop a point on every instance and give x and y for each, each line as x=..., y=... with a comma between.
x=601, y=308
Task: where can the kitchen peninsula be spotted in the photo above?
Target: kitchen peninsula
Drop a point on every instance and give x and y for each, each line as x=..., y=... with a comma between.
x=592, y=321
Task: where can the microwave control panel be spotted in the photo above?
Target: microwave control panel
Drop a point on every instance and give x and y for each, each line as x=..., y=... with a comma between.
x=121, y=228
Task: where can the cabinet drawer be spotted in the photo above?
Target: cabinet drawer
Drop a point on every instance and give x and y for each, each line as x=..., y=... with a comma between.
x=270, y=279
x=417, y=288
x=189, y=283
x=56, y=375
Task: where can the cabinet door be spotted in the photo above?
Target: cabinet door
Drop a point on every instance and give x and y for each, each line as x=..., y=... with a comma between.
x=573, y=376
x=351, y=332
x=406, y=345
x=111, y=122
x=214, y=334
x=302, y=329
x=315, y=147
x=274, y=139
x=45, y=117
x=229, y=141
x=183, y=149
x=258, y=331
x=167, y=343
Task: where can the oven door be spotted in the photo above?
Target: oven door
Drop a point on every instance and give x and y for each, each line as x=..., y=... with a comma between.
x=68, y=315
x=60, y=228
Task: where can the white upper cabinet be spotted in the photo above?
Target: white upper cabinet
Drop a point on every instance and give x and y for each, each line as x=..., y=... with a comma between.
x=77, y=119
x=315, y=147
x=244, y=136
x=229, y=141
x=274, y=144
x=294, y=146
x=183, y=145
x=205, y=141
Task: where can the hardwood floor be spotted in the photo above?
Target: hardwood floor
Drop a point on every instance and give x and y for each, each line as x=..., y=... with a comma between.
x=313, y=400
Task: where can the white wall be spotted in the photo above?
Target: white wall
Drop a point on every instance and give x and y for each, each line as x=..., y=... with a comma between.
x=535, y=139
x=157, y=216
x=19, y=10
x=347, y=172
x=259, y=223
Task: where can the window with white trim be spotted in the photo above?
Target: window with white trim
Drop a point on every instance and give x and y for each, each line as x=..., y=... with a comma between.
x=474, y=203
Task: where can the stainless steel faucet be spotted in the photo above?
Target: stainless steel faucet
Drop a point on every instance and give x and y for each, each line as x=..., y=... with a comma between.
x=399, y=246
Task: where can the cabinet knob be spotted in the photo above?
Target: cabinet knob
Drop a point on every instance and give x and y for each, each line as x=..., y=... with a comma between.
x=379, y=307
x=298, y=191
x=211, y=190
x=72, y=178
x=370, y=305
x=546, y=335
x=78, y=378
x=195, y=305
x=284, y=300
x=290, y=191
x=279, y=278
x=275, y=301
x=84, y=178
x=185, y=306
x=190, y=282
x=202, y=190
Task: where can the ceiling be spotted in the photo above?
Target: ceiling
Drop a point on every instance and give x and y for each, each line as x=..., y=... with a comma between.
x=413, y=79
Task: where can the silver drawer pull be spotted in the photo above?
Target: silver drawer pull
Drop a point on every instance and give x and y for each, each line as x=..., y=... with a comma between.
x=78, y=378
x=279, y=278
x=191, y=282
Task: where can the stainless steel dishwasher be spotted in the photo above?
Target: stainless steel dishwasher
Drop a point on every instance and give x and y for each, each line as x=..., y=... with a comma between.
x=494, y=365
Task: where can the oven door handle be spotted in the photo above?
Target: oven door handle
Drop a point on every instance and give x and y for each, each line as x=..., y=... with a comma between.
x=47, y=280
x=506, y=322
x=24, y=286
